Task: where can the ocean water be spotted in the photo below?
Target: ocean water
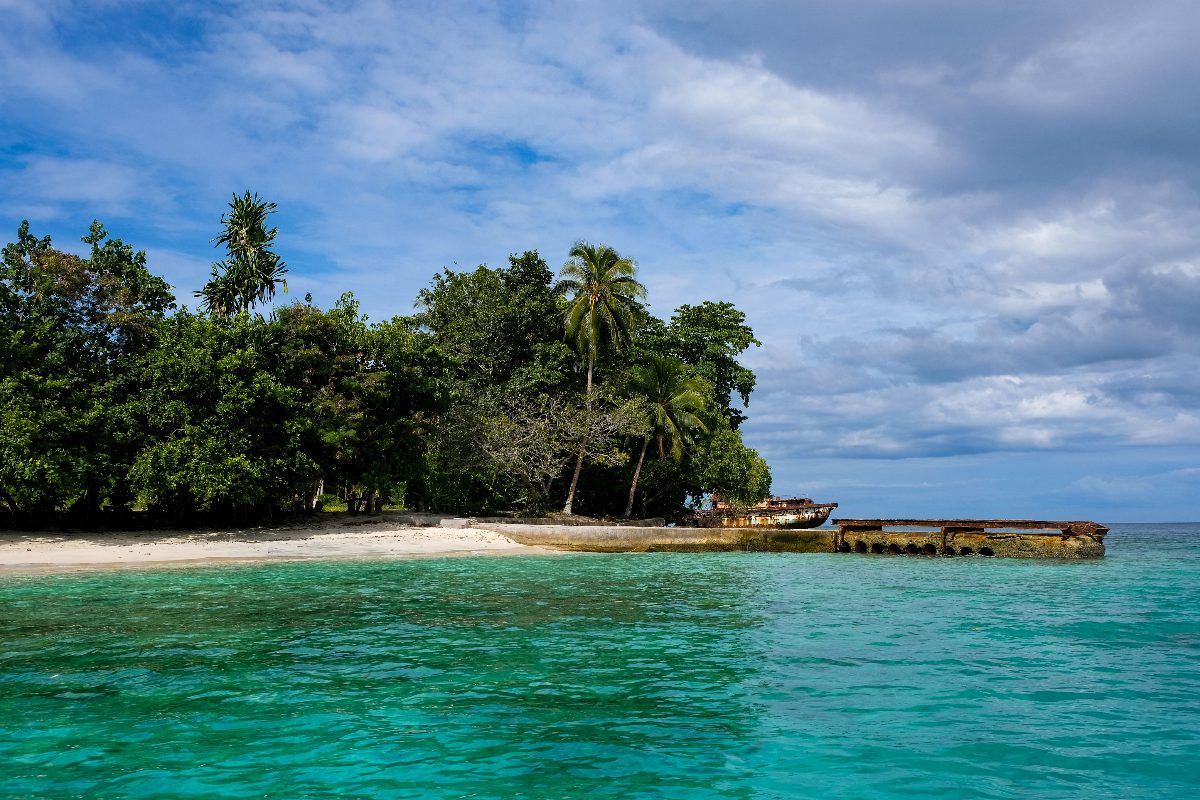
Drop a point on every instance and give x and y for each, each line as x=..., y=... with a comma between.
x=612, y=676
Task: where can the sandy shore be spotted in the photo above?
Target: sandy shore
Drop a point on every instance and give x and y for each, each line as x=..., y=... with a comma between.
x=339, y=537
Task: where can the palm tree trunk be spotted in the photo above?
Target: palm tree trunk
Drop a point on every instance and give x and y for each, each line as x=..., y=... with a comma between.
x=636, y=474
x=583, y=444
x=574, y=480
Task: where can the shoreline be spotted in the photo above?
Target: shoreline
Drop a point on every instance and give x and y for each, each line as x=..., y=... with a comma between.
x=23, y=552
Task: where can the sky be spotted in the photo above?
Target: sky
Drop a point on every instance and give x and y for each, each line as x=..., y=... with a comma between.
x=967, y=232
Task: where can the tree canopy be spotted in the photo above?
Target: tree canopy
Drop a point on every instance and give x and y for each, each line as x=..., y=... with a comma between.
x=506, y=390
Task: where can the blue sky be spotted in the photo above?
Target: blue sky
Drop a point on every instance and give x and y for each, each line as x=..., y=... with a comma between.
x=967, y=233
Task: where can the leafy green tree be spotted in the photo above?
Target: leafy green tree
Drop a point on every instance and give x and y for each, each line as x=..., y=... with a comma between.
x=500, y=333
x=70, y=327
x=675, y=402
x=367, y=391
x=724, y=465
x=404, y=390
x=320, y=355
x=601, y=313
x=708, y=337
x=500, y=329
x=251, y=270
x=226, y=429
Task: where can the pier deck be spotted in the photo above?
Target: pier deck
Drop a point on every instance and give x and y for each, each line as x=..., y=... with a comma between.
x=943, y=537
x=1013, y=538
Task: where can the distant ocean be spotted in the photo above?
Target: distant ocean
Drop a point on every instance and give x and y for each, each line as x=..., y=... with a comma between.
x=612, y=676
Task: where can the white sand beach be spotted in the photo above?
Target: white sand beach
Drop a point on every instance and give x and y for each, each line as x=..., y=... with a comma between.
x=336, y=536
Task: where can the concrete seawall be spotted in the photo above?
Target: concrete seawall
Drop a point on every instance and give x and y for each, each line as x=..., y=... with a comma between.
x=623, y=539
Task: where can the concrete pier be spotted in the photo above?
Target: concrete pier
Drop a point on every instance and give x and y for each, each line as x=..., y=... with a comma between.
x=1010, y=538
x=630, y=539
x=987, y=538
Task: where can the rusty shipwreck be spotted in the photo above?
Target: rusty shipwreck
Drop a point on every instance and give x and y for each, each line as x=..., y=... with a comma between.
x=786, y=513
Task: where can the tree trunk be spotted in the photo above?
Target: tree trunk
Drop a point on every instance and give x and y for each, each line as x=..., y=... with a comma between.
x=318, y=488
x=636, y=474
x=574, y=480
x=11, y=502
x=93, y=502
x=582, y=445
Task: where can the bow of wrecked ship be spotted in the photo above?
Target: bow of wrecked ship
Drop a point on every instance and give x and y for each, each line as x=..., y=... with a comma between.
x=787, y=513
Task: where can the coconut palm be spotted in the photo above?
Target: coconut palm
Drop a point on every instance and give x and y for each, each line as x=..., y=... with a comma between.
x=675, y=401
x=251, y=270
x=604, y=296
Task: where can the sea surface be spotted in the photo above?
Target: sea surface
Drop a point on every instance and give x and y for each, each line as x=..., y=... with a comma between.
x=612, y=676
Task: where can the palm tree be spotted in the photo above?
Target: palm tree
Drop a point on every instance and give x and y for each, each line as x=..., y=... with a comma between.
x=676, y=399
x=251, y=270
x=605, y=294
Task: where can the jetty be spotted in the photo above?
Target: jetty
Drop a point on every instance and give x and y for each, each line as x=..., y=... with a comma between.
x=1004, y=538
x=1011, y=538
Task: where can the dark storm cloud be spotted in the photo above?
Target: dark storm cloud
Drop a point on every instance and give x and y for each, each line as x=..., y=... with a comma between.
x=1168, y=296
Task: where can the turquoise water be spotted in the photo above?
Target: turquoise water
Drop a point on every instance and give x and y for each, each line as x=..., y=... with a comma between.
x=631, y=676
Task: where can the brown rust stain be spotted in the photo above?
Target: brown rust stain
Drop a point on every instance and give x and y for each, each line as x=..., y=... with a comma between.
x=1075, y=540
x=1010, y=538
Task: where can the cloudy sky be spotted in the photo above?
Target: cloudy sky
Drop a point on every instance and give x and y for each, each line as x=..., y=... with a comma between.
x=966, y=231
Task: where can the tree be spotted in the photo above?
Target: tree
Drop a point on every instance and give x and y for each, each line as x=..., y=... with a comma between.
x=604, y=303
x=70, y=329
x=368, y=391
x=533, y=440
x=724, y=465
x=226, y=428
x=250, y=271
x=500, y=334
x=708, y=337
x=500, y=329
x=675, y=401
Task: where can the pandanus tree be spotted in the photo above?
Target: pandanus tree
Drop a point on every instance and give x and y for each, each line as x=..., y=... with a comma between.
x=251, y=270
x=604, y=294
x=675, y=400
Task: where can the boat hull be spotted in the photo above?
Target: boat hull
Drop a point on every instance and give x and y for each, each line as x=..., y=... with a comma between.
x=783, y=519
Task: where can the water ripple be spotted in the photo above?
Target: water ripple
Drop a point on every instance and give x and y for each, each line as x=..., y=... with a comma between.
x=656, y=676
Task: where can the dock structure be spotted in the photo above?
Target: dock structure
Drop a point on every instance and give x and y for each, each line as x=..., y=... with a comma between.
x=1011, y=538
x=919, y=537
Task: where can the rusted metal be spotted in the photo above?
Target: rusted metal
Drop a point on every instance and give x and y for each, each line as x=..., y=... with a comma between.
x=1074, y=526
x=988, y=537
x=787, y=513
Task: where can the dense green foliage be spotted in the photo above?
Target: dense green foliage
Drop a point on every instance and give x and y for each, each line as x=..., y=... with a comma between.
x=507, y=390
x=71, y=329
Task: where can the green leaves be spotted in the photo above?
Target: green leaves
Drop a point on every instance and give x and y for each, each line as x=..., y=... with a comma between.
x=709, y=338
x=605, y=299
x=109, y=394
x=71, y=329
x=676, y=402
x=251, y=271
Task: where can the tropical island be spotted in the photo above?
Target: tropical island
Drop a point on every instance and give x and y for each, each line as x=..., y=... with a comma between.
x=509, y=390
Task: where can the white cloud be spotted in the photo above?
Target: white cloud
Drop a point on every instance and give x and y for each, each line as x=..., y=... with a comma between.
x=102, y=186
x=943, y=253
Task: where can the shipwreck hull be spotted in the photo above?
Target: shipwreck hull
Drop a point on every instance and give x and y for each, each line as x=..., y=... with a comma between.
x=789, y=519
